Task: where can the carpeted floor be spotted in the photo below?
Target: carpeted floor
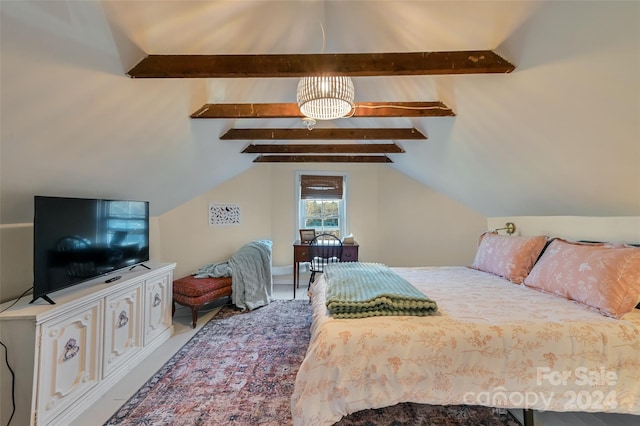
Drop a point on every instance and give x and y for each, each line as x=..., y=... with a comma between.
x=239, y=369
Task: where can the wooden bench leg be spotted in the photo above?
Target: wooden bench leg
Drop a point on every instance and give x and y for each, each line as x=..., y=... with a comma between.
x=194, y=316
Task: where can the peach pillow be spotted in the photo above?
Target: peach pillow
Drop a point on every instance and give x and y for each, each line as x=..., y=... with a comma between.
x=605, y=277
x=508, y=257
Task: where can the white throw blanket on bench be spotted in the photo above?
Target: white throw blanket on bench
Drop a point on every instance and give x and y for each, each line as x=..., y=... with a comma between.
x=250, y=272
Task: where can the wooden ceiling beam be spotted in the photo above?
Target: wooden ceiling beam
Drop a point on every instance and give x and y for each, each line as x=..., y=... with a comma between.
x=291, y=110
x=300, y=65
x=323, y=134
x=322, y=159
x=369, y=148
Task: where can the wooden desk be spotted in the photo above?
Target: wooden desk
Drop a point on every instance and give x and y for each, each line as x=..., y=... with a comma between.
x=301, y=254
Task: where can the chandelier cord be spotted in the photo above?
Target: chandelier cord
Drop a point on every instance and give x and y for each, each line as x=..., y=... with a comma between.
x=323, y=36
x=324, y=97
x=325, y=104
x=398, y=107
x=355, y=107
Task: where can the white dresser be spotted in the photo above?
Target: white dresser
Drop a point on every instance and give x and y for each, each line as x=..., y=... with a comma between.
x=65, y=356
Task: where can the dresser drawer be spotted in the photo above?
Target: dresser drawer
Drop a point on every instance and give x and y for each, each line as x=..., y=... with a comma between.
x=349, y=253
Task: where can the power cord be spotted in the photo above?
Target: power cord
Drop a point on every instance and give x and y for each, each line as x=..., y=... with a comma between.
x=6, y=360
x=13, y=382
x=17, y=300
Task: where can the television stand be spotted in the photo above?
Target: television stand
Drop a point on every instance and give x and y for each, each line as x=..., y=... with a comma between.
x=139, y=264
x=45, y=297
x=68, y=355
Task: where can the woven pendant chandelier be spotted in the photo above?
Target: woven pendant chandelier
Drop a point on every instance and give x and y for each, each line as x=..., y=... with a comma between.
x=325, y=97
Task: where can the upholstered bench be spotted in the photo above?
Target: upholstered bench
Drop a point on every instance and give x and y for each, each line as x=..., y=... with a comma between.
x=195, y=292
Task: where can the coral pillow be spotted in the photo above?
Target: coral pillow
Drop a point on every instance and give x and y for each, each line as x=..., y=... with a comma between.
x=508, y=257
x=604, y=277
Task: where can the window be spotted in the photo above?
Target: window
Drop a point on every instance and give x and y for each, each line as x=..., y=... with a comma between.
x=321, y=203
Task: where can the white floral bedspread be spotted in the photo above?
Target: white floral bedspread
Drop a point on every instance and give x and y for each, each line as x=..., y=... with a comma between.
x=494, y=343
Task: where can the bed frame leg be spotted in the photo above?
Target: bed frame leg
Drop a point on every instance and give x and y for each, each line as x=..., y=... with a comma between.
x=527, y=414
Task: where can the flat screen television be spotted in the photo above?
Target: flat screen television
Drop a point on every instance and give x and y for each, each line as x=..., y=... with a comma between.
x=78, y=239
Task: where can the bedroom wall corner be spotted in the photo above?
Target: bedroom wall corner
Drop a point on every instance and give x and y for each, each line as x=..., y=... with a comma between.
x=155, y=240
x=189, y=240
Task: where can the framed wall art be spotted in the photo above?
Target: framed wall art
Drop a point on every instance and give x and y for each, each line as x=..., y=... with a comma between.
x=224, y=214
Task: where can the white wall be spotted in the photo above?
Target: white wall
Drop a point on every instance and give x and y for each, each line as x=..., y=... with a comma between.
x=187, y=237
x=612, y=229
x=395, y=219
x=419, y=226
x=16, y=260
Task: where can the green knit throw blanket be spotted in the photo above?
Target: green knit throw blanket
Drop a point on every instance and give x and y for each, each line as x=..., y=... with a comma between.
x=360, y=290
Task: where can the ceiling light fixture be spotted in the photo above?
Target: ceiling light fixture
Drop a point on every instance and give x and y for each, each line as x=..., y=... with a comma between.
x=325, y=97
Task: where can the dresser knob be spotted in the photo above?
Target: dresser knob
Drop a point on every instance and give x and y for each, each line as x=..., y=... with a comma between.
x=123, y=319
x=71, y=349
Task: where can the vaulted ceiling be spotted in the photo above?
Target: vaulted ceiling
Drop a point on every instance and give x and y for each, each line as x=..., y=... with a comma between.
x=559, y=135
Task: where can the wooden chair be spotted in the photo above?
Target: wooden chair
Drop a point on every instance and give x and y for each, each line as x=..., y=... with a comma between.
x=323, y=250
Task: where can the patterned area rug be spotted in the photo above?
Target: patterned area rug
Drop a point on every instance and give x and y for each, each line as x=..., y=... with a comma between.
x=239, y=369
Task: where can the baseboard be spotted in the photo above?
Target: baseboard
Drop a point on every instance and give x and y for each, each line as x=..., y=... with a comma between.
x=283, y=280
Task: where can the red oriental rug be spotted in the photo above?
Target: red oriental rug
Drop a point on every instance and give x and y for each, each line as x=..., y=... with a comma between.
x=239, y=369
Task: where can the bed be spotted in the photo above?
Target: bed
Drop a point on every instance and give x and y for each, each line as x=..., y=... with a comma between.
x=506, y=335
